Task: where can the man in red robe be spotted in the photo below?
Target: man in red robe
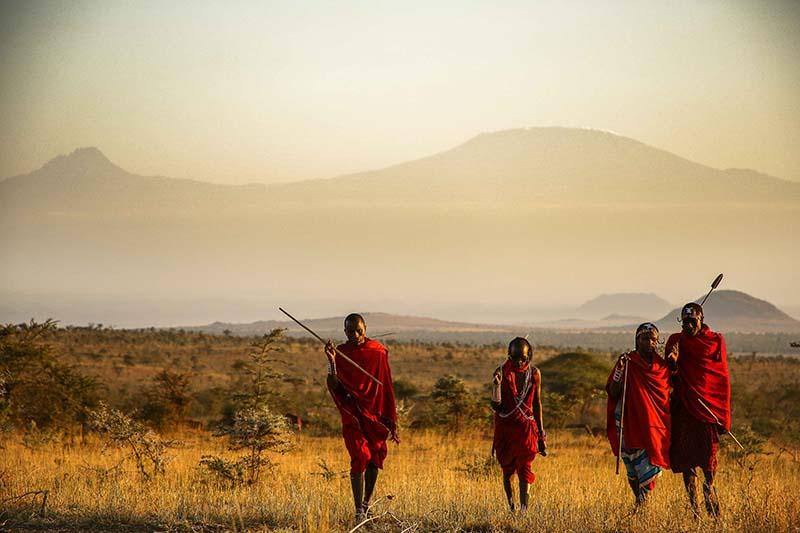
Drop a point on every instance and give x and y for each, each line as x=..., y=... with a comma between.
x=646, y=428
x=701, y=402
x=367, y=408
x=518, y=431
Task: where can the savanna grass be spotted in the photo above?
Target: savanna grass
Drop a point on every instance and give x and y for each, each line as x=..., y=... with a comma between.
x=432, y=482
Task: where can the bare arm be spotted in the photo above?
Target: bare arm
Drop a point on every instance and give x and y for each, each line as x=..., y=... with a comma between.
x=537, y=403
x=497, y=380
x=330, y=353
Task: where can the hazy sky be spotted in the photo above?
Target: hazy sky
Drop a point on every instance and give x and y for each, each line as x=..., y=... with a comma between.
x=266, y=91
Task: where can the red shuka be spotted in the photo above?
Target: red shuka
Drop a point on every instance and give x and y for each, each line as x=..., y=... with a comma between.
x=703, y=375
x=368, y=410
x=646, y=418
x=516, y=436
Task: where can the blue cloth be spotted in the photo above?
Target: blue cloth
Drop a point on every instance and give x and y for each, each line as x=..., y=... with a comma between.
x=637, y=461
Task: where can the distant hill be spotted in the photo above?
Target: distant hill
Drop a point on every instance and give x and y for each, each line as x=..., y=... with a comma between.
x=728, y=310
x=377, y=324
x=622, y=304
x=511, y=217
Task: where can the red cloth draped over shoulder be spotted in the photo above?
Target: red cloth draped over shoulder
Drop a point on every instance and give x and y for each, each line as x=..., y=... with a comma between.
x=361, y=401
x=515, y=435
x=703, y=375
x=647, y=422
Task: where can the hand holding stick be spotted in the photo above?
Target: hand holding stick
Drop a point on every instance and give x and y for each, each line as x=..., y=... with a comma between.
x=336, y=350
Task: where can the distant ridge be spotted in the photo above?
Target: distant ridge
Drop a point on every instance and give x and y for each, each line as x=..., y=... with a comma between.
x=377, y=323
x=728, y=310
x=529, y=166
x=637, y=304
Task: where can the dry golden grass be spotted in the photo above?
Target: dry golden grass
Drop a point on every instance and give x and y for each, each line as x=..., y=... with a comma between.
x=575, y=490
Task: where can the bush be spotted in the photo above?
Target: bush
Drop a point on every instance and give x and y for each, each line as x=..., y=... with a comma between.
x=254, y=430
x=35, y=386
x=147, y=449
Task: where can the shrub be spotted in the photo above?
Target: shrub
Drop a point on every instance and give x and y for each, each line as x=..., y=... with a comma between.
x=146, y=448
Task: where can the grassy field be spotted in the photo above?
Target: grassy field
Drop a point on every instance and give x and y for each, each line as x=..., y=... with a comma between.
x=432, y=482
x=438, y=479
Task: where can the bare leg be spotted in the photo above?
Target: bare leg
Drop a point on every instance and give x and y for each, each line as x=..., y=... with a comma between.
x=709, y=494
x=357, y=484
x=523, y=494
x=634, y=484
x=508, y=489
x=689, y=481
x=370, y=477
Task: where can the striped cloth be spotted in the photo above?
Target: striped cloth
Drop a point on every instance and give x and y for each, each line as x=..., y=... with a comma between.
x=637, y=463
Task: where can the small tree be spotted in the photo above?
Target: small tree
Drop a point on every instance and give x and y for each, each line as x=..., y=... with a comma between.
x=257, y=375
x=37, y=386
x=169, y=397
x=146, y=448
x=452, y=401
x=254, y=428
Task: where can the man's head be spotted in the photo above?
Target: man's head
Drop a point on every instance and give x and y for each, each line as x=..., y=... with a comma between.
x=520, y=351
x=647, y=338
x=691, y=318
x=355, y=328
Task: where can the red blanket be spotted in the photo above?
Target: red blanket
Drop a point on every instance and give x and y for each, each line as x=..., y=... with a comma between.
x=703, y=375
x=515, y=435
x=646, y=417
x=361, y=401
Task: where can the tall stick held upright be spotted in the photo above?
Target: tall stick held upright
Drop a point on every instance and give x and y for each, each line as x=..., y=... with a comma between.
x=625, y=359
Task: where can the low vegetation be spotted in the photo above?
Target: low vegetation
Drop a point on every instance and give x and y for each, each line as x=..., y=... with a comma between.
x=177, y=430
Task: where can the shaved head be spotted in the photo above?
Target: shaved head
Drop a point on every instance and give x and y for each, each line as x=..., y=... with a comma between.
x=355, y=318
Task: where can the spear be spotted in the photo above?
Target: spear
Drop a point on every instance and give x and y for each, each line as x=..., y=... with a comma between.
x=720, y=424
x=338, y=352
x=622, y=410
x=714, y=285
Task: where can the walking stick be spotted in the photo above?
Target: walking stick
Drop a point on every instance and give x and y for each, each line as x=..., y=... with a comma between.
x=622, y=410
x=338, y=352
x=719, y=424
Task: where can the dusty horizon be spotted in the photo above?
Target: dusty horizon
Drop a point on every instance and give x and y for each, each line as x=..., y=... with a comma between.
x=447, y=224
x=257, y=93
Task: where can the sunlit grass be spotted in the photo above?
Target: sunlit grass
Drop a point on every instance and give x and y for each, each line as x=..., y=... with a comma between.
x=575, y=490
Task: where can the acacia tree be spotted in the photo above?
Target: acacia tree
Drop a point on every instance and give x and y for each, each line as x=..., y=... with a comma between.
x=36, y=386
x=452, y=400
x=147, y=449
x=169, y=398
x=255, y=429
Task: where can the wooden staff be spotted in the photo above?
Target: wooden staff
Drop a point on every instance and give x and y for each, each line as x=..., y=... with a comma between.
x=622, y=410
x=338, y=352
x=719, y=424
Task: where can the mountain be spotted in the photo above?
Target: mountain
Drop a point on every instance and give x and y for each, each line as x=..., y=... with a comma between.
x=637, y=304
x=509, y=219
x=554, y=166
x=533, y=166
x=727, y=310
x=85, y=182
